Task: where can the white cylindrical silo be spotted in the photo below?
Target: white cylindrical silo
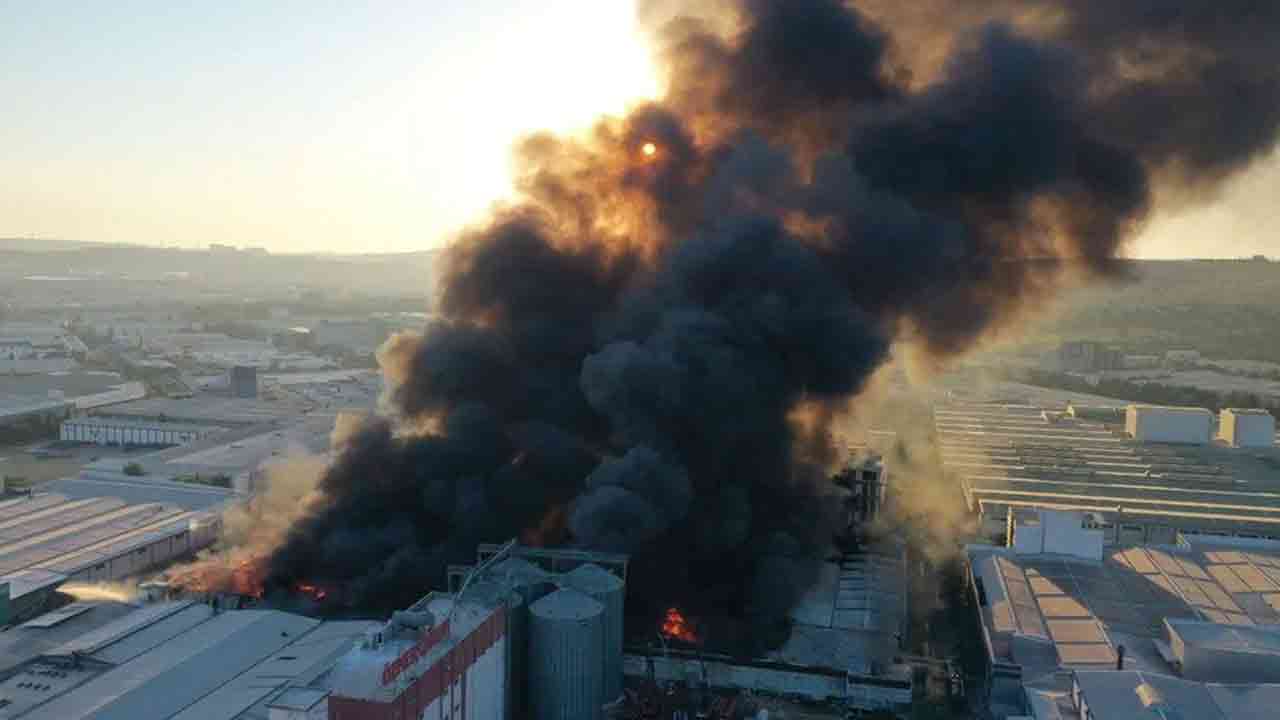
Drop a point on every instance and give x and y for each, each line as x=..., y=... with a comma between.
x=566, y=663
x=608, y=590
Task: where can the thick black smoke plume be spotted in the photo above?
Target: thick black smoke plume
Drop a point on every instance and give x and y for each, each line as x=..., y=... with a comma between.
x=624, y=350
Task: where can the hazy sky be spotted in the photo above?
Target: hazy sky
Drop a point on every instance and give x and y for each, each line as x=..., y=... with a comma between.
x=294, y=124
x=306, y=125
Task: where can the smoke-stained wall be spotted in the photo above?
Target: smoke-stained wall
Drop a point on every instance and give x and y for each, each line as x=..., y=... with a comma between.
x=622, y=348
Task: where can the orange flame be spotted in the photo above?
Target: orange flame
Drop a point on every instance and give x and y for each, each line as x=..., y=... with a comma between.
x=677, y=627
x=212, y=576
x=315, y=592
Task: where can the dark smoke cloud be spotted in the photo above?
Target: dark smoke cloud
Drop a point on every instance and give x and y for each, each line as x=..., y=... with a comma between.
x=630, y=501
x=625, y=351
x=1189, y=86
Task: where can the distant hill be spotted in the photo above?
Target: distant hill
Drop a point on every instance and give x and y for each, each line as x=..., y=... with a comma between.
x=1189, y=282
x=38, y=245
x=1226, y=309
x=402, y=274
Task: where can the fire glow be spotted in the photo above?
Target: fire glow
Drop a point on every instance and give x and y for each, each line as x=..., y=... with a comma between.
x=677, y=627
x=312, y=591
x=245, y=578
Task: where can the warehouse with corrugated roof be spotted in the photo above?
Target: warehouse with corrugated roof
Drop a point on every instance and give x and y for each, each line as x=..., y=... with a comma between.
x=181, y=660
x=49, y=538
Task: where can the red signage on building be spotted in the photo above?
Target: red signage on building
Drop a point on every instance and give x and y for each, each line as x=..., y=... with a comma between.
x=410, y=657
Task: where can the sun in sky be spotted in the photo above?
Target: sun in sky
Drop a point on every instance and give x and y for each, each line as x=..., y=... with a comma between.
x=294, y=125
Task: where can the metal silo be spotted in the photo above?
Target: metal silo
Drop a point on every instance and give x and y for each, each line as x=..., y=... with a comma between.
x=531, y=581
x=493, y=593
x=566, y=667
x=608, y=590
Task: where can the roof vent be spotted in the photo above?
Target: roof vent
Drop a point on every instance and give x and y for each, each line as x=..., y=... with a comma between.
x=1153, y=700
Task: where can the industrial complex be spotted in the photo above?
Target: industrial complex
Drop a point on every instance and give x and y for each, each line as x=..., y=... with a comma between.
x=523, y=633
x=1126, y=561
x=1131, y=567
x=1057, y=608
x=1141, y=473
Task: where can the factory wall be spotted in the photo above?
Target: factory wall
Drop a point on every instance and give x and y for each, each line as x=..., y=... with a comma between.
x=126, y=560
x=1209, y=664
x=99, y=433
x=774, y=679
x=1148, y=423
x=1248, y=428
x=1131, y=530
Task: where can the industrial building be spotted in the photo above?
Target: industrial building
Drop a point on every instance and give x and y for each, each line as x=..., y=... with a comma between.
x=1158, y=424
x=539, y=633
x=1056, y=603
x=1086, y=356
x=841, y=650
x=85, y=389
x=243, y=454
x=24, y=641
x=49, y=538
x=1247, y=428
x=20, y=414
x=243, y=381
x=201, y=410
x=176, y=660
x=1131, y=695
x=128, y=432
x=524, y=633
x=1009, y=456
x=447, y=663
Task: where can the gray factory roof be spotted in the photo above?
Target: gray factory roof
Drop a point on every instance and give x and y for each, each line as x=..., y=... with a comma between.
x=1049, y=611
x=226, y=665
x=129, y=636
x=848, y=619
x=252, y=445
x=301, y=662
x=299, y=699
x=71, y=383
x=25, y=642
x=25, y=582
x=139, y=423
x=1133, y=695
x=1021, y=455
x=18, y=405
x=1233, y=638
x=204, y=408
x=58, y=533
x=232, y=451
x=188, y=496
x=358, y=673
